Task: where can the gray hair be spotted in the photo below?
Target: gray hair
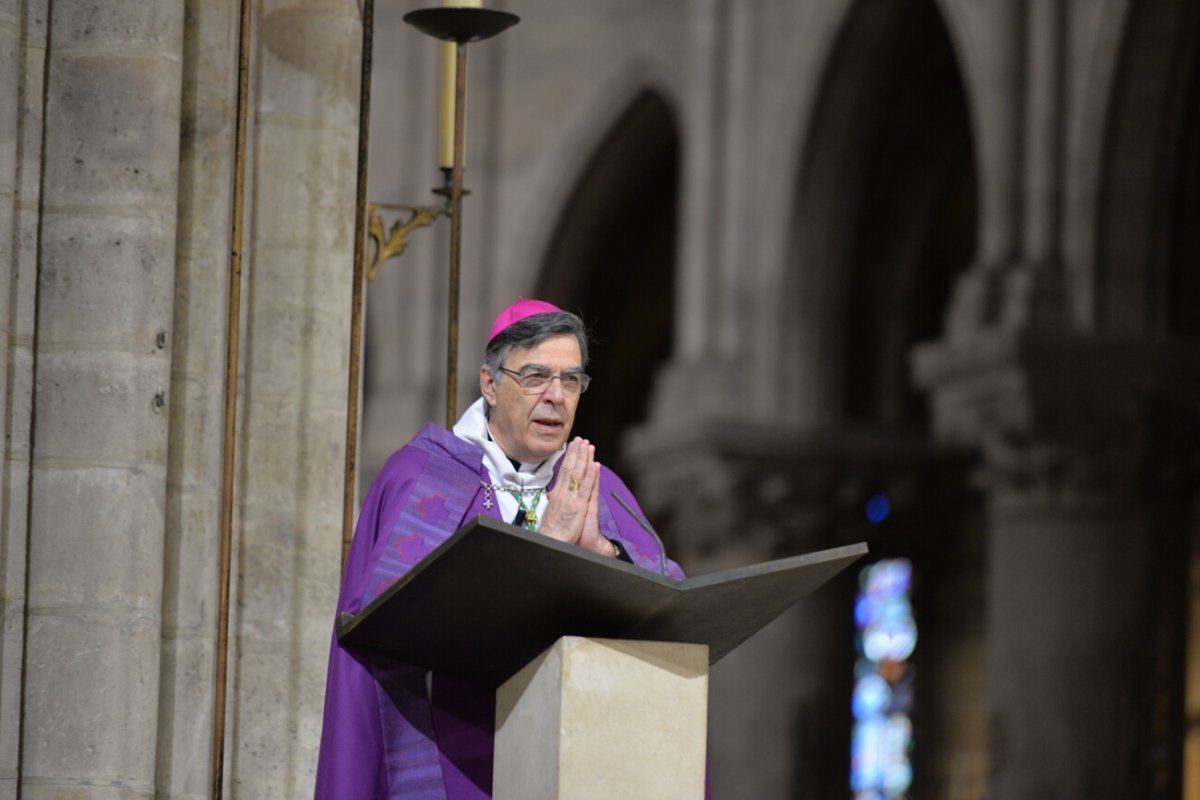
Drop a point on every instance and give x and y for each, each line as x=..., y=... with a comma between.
x=532, y=331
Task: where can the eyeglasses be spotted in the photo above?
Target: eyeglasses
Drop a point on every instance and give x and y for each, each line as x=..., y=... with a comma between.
x=535, y=380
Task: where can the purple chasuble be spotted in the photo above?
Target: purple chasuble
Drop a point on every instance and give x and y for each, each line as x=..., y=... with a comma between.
x=384, y=735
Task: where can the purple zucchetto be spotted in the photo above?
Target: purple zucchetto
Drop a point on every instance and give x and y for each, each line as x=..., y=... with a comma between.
x=518, y=311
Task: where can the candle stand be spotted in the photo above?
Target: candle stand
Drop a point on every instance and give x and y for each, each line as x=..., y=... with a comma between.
x=459, y=26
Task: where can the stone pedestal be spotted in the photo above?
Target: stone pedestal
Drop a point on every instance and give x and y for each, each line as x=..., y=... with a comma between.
x=604, y=718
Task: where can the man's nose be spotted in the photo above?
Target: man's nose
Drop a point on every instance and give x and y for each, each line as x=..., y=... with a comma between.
x=554, y=390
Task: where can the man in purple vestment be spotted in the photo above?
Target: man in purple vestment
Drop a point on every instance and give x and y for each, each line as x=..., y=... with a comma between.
x=391, y=730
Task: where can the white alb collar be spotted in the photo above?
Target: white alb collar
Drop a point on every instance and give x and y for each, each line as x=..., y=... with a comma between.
x=472, y=427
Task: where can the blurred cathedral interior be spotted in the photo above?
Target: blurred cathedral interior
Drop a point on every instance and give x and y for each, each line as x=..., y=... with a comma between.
x=919, y=273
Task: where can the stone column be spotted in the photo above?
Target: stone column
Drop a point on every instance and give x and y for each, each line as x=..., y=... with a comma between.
x=106, y=260
x=1065, y=621
x=197, y=390
x=994, y=72
x=710, y=368
x=1086, y=477
x=1085, y=620
x=300, y=269
x=701, y=186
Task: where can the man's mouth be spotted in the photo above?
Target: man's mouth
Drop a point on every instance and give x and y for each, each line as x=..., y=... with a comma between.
x=548, y=425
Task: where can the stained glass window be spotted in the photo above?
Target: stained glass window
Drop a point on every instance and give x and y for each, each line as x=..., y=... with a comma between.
x=881, y=742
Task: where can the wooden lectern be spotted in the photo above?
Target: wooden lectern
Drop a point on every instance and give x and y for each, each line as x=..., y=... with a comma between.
x=601, y=666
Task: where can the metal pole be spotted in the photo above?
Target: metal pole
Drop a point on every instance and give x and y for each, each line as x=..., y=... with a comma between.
x=456, y=189
x=353, y=400
x=233, y=343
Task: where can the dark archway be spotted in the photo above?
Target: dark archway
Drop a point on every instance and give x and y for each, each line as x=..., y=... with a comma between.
x=612, y=259
x=888, y=219
x=1147, y=243
x=1182, y=275
x=914, y=223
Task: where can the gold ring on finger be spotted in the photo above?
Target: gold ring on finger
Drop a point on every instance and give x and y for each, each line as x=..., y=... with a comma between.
x=572, y=485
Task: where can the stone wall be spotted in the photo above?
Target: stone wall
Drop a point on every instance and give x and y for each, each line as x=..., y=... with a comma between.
x=22, y=30
x=112, y=324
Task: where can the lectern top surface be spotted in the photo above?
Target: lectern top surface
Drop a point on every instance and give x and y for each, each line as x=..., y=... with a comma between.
x=493, y=596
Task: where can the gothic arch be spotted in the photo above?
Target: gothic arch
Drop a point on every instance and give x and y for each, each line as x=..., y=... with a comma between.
x=885, y=213
x=584, y=130
x=886, y=218
x=612, y=257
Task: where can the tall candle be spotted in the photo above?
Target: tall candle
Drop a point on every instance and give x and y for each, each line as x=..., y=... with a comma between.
x=446, y=109
x=449, y=77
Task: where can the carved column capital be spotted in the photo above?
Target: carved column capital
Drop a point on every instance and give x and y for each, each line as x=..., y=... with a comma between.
x=1057, y=414
x=771, y=490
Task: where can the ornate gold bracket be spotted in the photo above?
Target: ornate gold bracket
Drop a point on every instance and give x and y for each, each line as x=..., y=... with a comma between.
x=392, y=244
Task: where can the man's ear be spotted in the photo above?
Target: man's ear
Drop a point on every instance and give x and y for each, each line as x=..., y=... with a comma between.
x=487, y=386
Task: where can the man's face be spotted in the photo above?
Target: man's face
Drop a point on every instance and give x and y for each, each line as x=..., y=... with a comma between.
x=532, y=427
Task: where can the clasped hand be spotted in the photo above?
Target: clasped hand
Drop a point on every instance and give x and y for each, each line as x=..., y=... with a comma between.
x=573, y=505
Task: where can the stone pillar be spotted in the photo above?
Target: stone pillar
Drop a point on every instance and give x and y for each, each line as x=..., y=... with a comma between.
x=1085, y=628
x=701, y=188
x=1066, y=622
x=102, y=372
x=1087, y=484
x=197, y=390
x=300, y=268
x=995, y=81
